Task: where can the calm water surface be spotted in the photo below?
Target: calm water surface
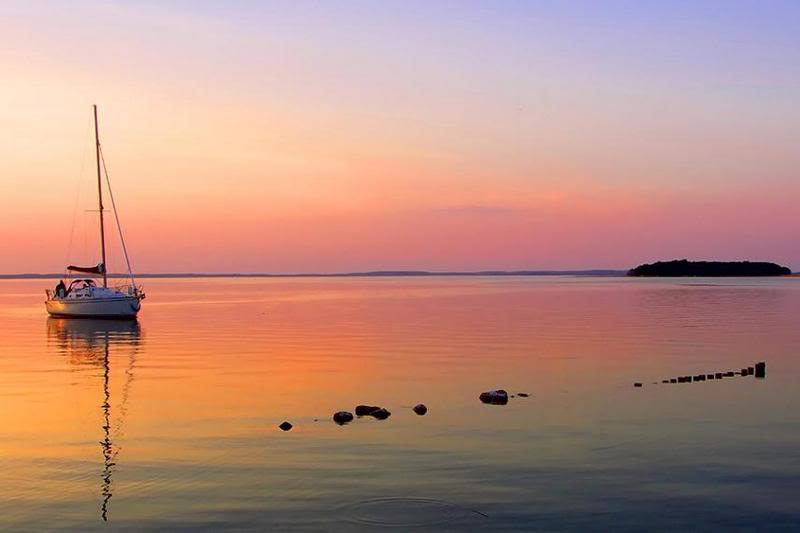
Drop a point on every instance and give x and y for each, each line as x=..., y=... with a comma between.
x=170, y=422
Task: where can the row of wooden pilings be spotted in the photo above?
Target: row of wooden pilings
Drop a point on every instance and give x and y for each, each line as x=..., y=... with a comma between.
x=759, y=370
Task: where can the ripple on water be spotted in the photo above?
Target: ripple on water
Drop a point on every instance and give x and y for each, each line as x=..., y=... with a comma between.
x=406, y=512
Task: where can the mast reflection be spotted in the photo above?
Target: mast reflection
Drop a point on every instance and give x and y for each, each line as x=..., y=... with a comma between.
x=88, y=343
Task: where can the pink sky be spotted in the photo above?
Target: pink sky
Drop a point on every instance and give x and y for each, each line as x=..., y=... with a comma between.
x=306, y=138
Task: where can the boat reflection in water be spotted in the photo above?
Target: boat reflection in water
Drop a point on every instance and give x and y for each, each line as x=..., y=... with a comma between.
x=89, y=342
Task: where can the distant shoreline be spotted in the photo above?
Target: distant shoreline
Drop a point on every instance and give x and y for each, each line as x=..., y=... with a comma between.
x=711, y=269
x=369, y=274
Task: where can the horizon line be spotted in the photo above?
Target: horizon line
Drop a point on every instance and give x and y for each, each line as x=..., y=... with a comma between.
x=369, y=273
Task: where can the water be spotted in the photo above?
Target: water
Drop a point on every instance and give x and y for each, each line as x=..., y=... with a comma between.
x=172, y=422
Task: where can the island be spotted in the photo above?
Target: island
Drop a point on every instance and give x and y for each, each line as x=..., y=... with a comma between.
x=684, y=267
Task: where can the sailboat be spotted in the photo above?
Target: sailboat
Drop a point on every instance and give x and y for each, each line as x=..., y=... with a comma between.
x=83, y=298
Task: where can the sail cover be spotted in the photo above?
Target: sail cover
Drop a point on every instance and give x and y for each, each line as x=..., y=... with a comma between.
x=99, y=269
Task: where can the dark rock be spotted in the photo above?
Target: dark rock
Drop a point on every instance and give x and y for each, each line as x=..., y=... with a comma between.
x=743, y=372
x=750, y=370
x=523, y=394
x=420, y=409
x=637, y=384
x=710, y=376
x=673, y=380
x=381, y=414
x=342, y=417
x=729, y=374
x=761, y=370
x=285, y=426
x=718, y=375
x=664, y=381
x=494, y=397
x=364, y=410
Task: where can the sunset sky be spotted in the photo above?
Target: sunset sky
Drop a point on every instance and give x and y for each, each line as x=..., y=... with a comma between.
x=341, y=136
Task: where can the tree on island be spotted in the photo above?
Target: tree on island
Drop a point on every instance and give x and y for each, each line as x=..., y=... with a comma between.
x=683, y=268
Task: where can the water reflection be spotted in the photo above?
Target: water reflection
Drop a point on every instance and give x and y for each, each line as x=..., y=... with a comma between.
x=89, y=342
x=586, y=451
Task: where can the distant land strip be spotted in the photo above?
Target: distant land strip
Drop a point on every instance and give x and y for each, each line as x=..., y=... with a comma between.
x=710, y=269
x=370, y=274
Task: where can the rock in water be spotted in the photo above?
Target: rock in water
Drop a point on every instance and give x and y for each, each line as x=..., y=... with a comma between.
x=761, y=369
x=420, y=409
x=342, y=417
x=637, y=384
x=523, y=394
x=285, y=426
x=494, y=397
x=364, y=410
x=381, y=414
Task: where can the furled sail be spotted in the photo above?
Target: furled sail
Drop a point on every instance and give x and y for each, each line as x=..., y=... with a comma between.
x=99, y=269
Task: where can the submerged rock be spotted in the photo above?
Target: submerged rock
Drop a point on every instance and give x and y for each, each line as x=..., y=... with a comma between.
x=381, y=413
x=285, y=426
x=494, y=397
x=523, y=394
x=420, y=409
x=637, y=384
x=342, y=417
x=364, y=410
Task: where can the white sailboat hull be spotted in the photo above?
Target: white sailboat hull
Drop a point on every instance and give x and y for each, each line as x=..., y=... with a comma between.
x=117, y=307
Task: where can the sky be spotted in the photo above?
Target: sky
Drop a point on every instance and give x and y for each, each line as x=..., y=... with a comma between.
x=347, y=136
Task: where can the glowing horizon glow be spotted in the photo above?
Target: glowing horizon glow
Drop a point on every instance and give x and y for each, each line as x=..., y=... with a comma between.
x=280, y=138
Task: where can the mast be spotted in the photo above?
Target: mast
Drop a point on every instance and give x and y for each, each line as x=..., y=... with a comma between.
x=100, y=197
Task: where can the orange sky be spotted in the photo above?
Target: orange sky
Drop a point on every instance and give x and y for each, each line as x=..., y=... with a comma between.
x=306, y=138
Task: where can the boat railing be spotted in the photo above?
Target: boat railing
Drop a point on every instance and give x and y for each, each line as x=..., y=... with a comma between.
x=130, y=289
x=127, y=289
